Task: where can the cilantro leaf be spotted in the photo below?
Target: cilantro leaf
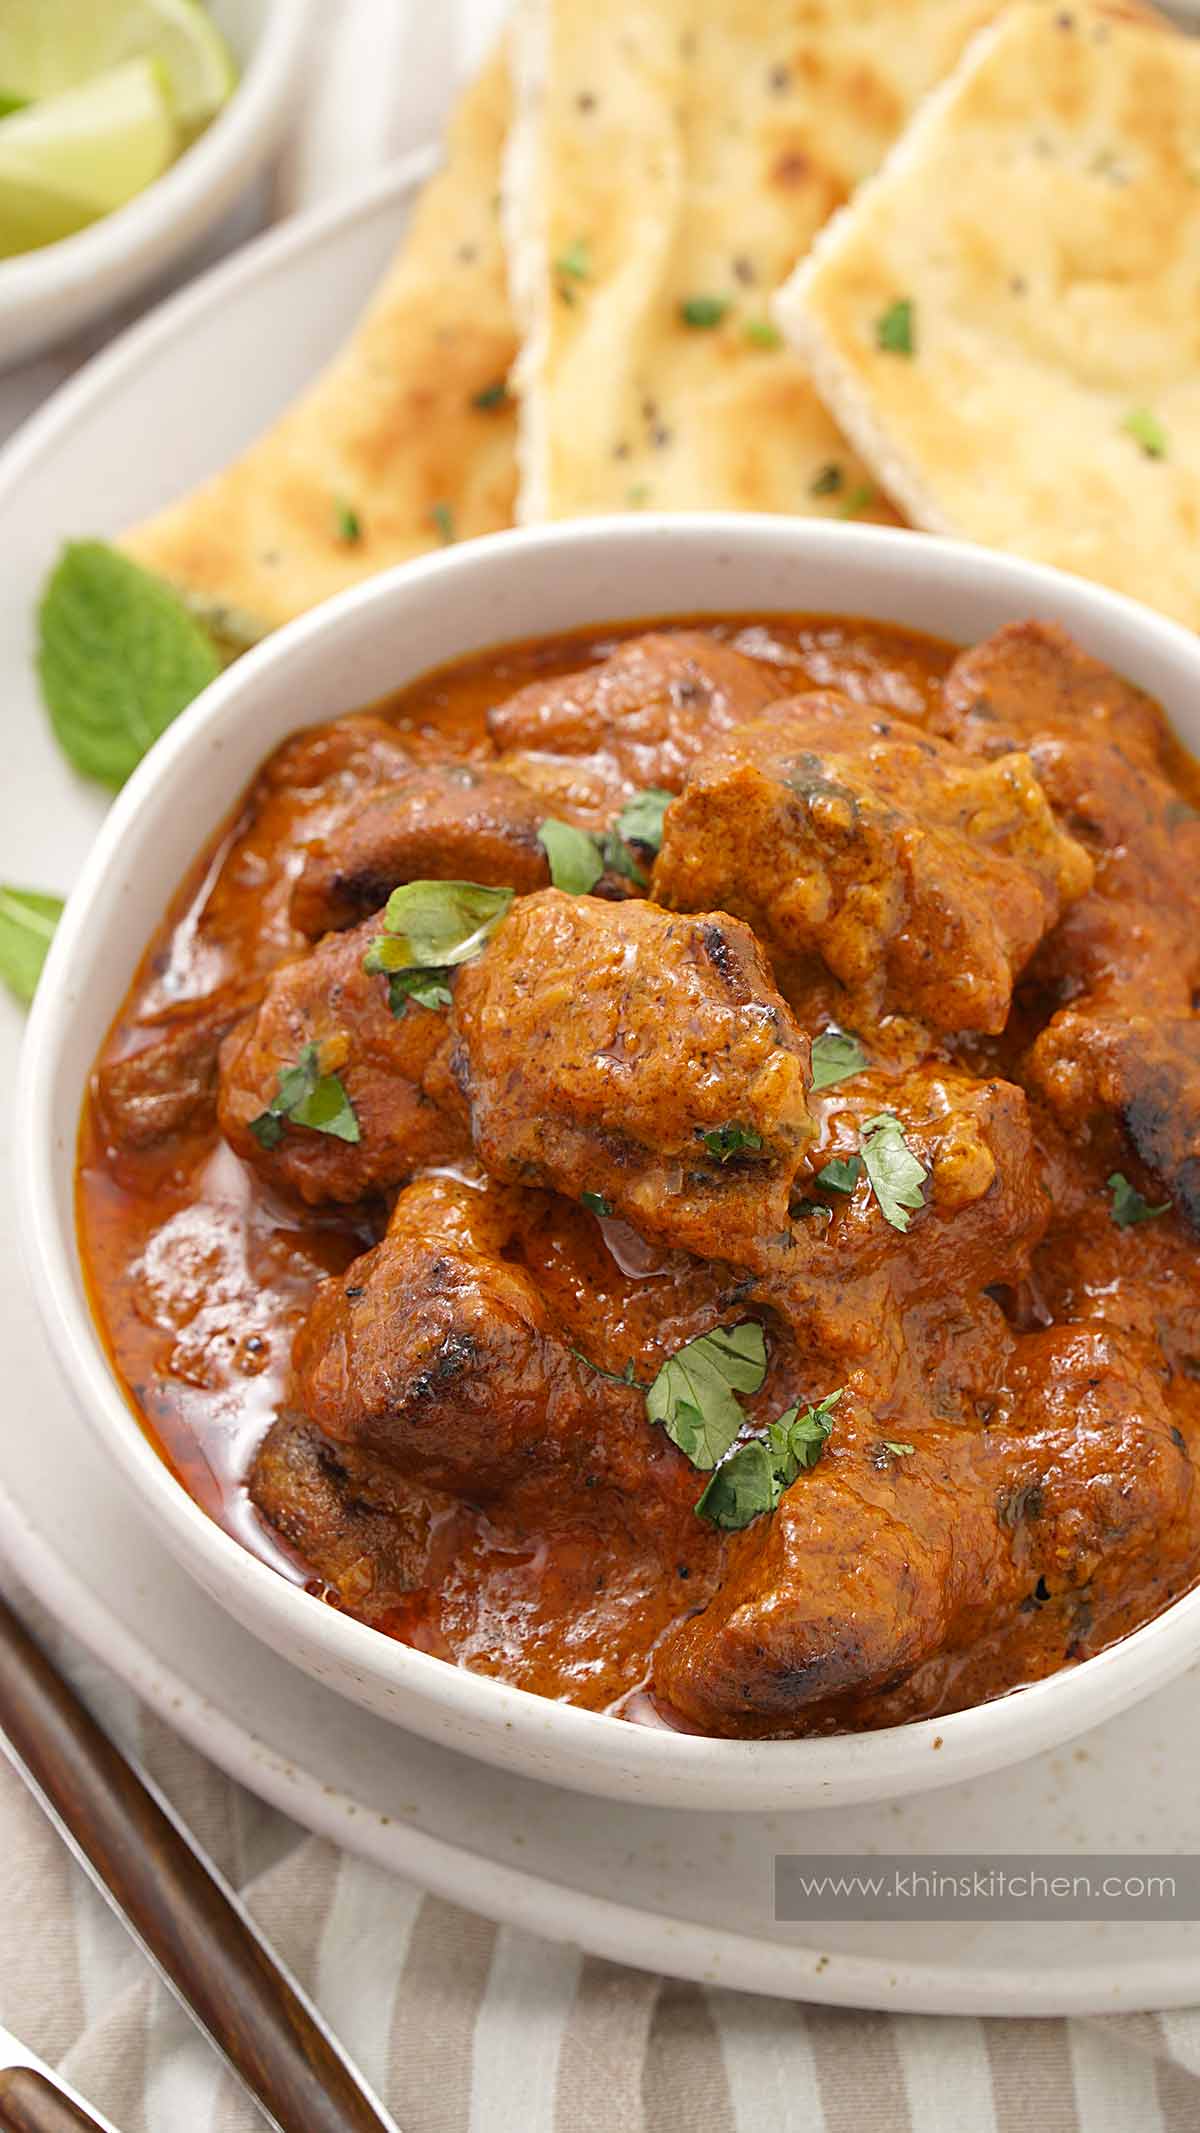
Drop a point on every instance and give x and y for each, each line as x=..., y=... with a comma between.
x=1128, y=1206
x=840, y=1173
x=754, y=1476
x=432, y=925
x=762, y=333
x=641, y=819
x=836, y=1055
x=427, y=987
x=347, y=523
x=703, y=311
x=307, y=1097
x=732, y=1139
x=595, y=1203
x=1146, y=430
x=575, y=860
x=119, y=657
x=694, y=1395
x=575, y=261
x=895, y=329
x=27, y=923
x=897, y=1176
x=898, y=1451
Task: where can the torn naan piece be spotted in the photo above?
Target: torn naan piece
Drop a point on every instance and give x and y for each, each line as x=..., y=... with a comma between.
x=1006, y=320
x=405, y=441
x=670, y=161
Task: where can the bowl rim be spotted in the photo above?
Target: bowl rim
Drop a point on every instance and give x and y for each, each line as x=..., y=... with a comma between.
x=475, y=1706
x=188, y=195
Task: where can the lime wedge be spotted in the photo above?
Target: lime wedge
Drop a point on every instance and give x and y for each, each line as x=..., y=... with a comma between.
x=75, y=157
x=47, y=46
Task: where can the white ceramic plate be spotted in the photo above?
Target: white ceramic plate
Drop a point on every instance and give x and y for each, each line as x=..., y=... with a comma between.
x=682, y=1892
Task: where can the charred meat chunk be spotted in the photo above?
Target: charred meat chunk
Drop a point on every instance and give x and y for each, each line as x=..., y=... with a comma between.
x=440, y=1355
x=617, y=1050
x=881, y=1557
x=1143, y=1069
x=922, y=880
x=639, y=718
x=453, y=822
x=1030, y=681
x=386, y=1065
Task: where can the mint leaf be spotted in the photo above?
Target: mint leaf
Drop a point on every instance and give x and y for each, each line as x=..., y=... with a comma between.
x=897, y=1177
x=1128, y=1206
x=119, y=657
x=694, y=1394
x=27, y=923
x=575, y=861
x=835, y=1056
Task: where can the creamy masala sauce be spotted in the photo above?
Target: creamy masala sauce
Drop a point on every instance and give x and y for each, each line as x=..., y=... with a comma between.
x=1007, y=1482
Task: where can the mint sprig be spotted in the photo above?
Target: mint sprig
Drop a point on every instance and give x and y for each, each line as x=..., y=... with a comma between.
x=119, y=657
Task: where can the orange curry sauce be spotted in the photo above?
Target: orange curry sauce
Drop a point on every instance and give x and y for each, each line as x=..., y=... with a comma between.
x=200, y=1272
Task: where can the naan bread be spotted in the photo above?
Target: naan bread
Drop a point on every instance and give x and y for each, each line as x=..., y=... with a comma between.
x=675, y=152
x=390, y=437
x=1042, y=219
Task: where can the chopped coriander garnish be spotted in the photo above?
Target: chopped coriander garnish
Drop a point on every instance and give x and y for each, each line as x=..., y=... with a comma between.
x=898, y=1451
x=858, y=501
x=1146, y=430
x=576, y=261
x=762, y=333
x=836, y=1055
x=754, y=1476
x=442, y=518
x=828, y=481
x=495, y=395
x=595, y=1203
x=628, y=1376
x=894, y=328
x=841, y=1173
x=703, y=311
x=575, y=859
x=732, y=1139
x=27, y=923
x=431, y=926
x=641, y=819
x=694, y=1395
x=348, y=524
x=306, y=1097
x=1128, y=1206
x=897, y=1176
x=429, y=988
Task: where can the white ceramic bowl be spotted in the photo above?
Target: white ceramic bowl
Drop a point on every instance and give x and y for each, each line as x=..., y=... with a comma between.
x=45, y=294
x=358, y=647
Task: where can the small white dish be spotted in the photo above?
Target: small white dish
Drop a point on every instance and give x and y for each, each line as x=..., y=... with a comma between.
x=373, y=639
x=47, y=293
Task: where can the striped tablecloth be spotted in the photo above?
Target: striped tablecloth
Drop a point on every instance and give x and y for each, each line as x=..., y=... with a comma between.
x=464, y=2026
